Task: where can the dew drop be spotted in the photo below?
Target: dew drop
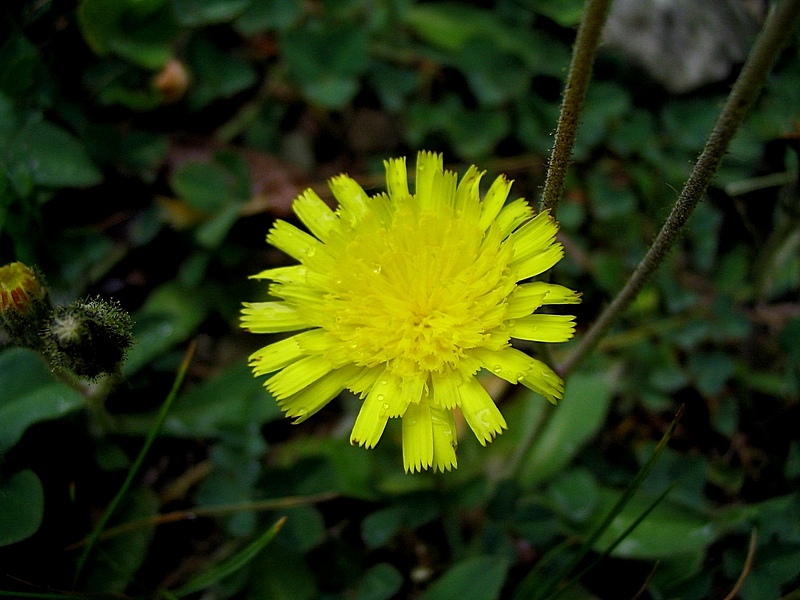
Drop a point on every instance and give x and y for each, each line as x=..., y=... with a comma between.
x=311, y=251
x=386, y=407
x=483, y=416
x=380, y=398
x=300, y=412
x=497, y=368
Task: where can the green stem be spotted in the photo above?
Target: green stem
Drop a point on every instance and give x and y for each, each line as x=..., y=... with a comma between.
x=580, y=71
x=779, y=26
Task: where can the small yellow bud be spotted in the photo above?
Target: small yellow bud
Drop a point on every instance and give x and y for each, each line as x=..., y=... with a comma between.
x=24, y=304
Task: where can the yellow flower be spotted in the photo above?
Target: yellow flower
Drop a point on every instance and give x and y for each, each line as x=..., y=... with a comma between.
x=403, y=299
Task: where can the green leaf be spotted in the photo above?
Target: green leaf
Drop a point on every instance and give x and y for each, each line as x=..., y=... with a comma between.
x=193, y=13
x=479, y=578
x=53, y=157
x=670, y=529
x=170, y=315
x=141, y=31
x=575, y=421
x=566, y=13
x=448, y=26
x=206, y=186
x=379, y=527
x=217, y=74
x=380, y=582
x=30, y=395
x=21, y=506
x=325, y=61
x=268, y=14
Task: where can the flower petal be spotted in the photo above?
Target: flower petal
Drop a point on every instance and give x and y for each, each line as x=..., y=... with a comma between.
x=351, y=196
x=271, y=317
x=316, y=395
x=513, y=215
x=396, y=178
x=315, y=214
x=543, y=380
x=555, y=294
x=417, y=437
x=444, y=439
x=544, y=328
x=293, y=241
x=297, y=376
x=539, y=263
x=480, y=412
x=445, y=390
x=494, y=200
x=372, y=417
x=509, y=363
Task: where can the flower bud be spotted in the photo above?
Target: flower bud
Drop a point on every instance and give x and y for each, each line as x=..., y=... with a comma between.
x=88, y=337
x=24, y=304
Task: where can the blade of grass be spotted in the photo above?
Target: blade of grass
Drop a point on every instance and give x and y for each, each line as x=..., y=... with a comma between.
x=230, y=566
x=133, y=471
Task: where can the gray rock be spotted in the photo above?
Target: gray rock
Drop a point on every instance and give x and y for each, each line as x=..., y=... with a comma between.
x=683, y=44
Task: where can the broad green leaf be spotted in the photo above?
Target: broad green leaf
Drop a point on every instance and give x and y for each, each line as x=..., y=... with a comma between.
x=380, y=582
x=448, y=26
x=264, y=15
x=30, y=394
x=574, y=421
x=217, y=73
x=206, y=186
x=566, y=13
x=21, y=506
x=139, y=31
x=53, y=157
x=479, y=578
x=170, y=315
x=670, y=529
x=192, y=13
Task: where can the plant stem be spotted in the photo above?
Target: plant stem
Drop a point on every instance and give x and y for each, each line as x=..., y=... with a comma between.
x=580, y=71
x=779, y=26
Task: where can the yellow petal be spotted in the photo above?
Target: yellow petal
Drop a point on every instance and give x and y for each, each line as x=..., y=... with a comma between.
x=445, y=390
x=555, y=294
x=298, y=375
x=316, y=395
x=372, y=418
x=543, y=380
x=509, y=363
x=513, y=215
x=494, y=200
x=417, y=437
x=480, y=412
x=396, y=178
x=444, y=440
x=351, y=196
x=293, y=241
x=315, y=214
x=271, y=317
x=544, y=328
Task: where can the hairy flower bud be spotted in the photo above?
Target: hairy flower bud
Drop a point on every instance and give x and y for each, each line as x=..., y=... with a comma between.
x=88, y=337
x=24, y=304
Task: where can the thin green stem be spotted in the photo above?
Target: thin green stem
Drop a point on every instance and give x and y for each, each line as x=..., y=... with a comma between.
x=580, y=71
x=133, y=471
x=779, y=26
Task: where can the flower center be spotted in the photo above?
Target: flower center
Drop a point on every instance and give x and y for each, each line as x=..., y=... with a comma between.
x=431, y=288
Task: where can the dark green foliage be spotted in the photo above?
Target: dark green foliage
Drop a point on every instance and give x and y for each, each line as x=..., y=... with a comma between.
x=146, y=146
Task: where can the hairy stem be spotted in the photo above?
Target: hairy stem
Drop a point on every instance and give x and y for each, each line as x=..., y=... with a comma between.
x=779, y=26
x=580, y=71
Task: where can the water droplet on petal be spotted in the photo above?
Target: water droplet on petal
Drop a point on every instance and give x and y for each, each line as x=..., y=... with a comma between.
x=380, y=397
x=497, y=368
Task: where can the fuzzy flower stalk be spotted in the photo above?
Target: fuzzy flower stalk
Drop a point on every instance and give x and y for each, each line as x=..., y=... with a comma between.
x=403, y=298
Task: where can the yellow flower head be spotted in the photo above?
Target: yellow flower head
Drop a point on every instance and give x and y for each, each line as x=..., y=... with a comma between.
x=403, y=299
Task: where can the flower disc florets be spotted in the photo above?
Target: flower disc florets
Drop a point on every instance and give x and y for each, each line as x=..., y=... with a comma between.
x=404, y=298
